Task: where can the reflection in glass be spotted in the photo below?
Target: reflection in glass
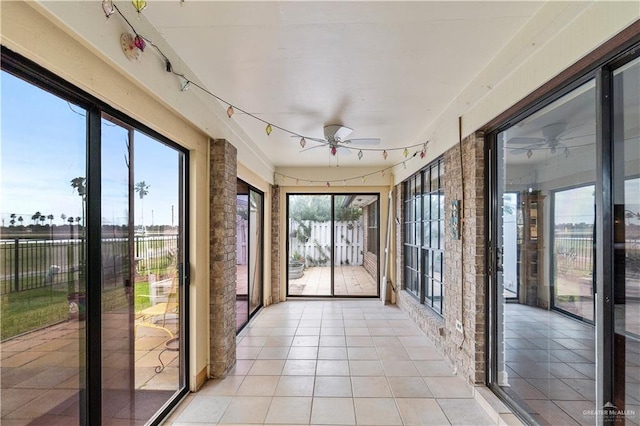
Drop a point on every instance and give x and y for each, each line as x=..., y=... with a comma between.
x=42, y=255
x=626, y=357
x=249, y=246
x=546, y=340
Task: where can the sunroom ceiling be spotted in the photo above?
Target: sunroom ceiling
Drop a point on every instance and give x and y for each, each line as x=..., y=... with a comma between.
x=384, y=69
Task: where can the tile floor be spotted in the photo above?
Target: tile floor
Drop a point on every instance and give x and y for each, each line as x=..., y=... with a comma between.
x=348, y=281
x=334, y=363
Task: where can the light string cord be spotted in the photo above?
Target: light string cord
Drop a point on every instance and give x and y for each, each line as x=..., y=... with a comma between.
x=169, y=69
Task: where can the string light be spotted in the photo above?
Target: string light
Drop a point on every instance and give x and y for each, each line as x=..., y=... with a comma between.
x=328, y=184
x=529, y=154
x=363, y=179
x=334, y=150
x=141, y=42
x=185, y=86
x=107, y=8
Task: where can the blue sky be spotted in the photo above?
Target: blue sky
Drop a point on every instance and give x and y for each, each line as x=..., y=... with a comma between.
x=42, y=147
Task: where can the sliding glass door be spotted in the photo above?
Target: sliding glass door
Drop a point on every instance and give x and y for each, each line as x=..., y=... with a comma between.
x=92, y=283
x=249, y=251
x=333, y=243
x=565, y=342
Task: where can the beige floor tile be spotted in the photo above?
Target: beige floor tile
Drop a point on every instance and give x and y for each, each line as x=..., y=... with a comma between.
x=399, y=368
x=279, y=341
x=330, y=386
x=376, y=411
x=227, y=386
x=258, y=386
x=433, y=368
x=353, y=341
x=448, y=387
x=421, y=411
x=366, y=368
x=242, y=367
x=362, y=353
x=332, y=352
x=295, y=386
x=267, y=367
x=299, y=367
x=333, y=411
x=203, y=408
x=392, y=353
x=274, y=352
x=327, y=340
x=465, y=412
x=289, y=410
x=303, y=352
x=305, y=330
x=305, y=341
x=247, y=409
x=409, y=387
x=370, y=387
x=332, y=368
x=248, y=352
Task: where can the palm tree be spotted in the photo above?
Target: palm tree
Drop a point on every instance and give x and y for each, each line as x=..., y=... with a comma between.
x=36, y=217
x=142, y=189
x=20, y=219
x=42, y=219
x=13, y=219
x=63, y=217
x=79, y=184
x=50, y=217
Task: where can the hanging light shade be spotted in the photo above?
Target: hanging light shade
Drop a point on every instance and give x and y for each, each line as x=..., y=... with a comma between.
x=139, y=42
x=384, y=154
x=360, y=154
x=107, y=8
x=230, y=111
x=139, y=5
x=268, y=129
x=303, y=142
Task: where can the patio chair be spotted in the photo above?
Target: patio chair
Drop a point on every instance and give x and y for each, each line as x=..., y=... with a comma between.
x=157, y=315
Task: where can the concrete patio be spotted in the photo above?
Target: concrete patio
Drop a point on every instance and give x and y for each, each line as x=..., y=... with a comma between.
x=349, y=281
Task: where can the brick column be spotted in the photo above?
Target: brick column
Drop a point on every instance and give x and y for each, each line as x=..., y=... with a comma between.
x=222, y=245
x=275, y=244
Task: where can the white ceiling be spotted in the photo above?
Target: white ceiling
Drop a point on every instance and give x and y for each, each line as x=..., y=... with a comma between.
x=385, y=69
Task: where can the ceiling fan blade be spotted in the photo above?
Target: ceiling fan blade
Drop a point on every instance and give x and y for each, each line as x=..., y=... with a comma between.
x=524, y=141
x=363, y=141
x=336, y=131
x=343, y=150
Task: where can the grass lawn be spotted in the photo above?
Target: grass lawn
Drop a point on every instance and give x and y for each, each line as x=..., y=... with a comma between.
x=32, y=309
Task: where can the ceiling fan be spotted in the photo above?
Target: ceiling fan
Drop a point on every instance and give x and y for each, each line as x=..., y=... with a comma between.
x=335, y=137
x=552, y=135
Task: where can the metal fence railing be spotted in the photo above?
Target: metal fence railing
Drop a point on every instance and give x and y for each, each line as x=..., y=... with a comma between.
x=27, y=264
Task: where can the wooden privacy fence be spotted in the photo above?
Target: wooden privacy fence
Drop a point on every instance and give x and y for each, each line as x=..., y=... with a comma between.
x=312, y=241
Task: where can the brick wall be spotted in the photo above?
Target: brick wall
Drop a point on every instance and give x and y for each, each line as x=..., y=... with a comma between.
x=464, y=266
x=275, y=244
x=222, y=244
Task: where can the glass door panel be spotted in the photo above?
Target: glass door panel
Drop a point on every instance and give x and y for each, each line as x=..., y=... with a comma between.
x=255, y=251
x=42, y=256
x=309, y=261
x=546, y=170
x=242, y=254
x=118, y=360
x=626, y=140
x=157, y=191
x=356, y=219
x=572, y=262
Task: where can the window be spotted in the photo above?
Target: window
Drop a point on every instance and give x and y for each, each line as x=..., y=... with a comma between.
x=424, y=235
